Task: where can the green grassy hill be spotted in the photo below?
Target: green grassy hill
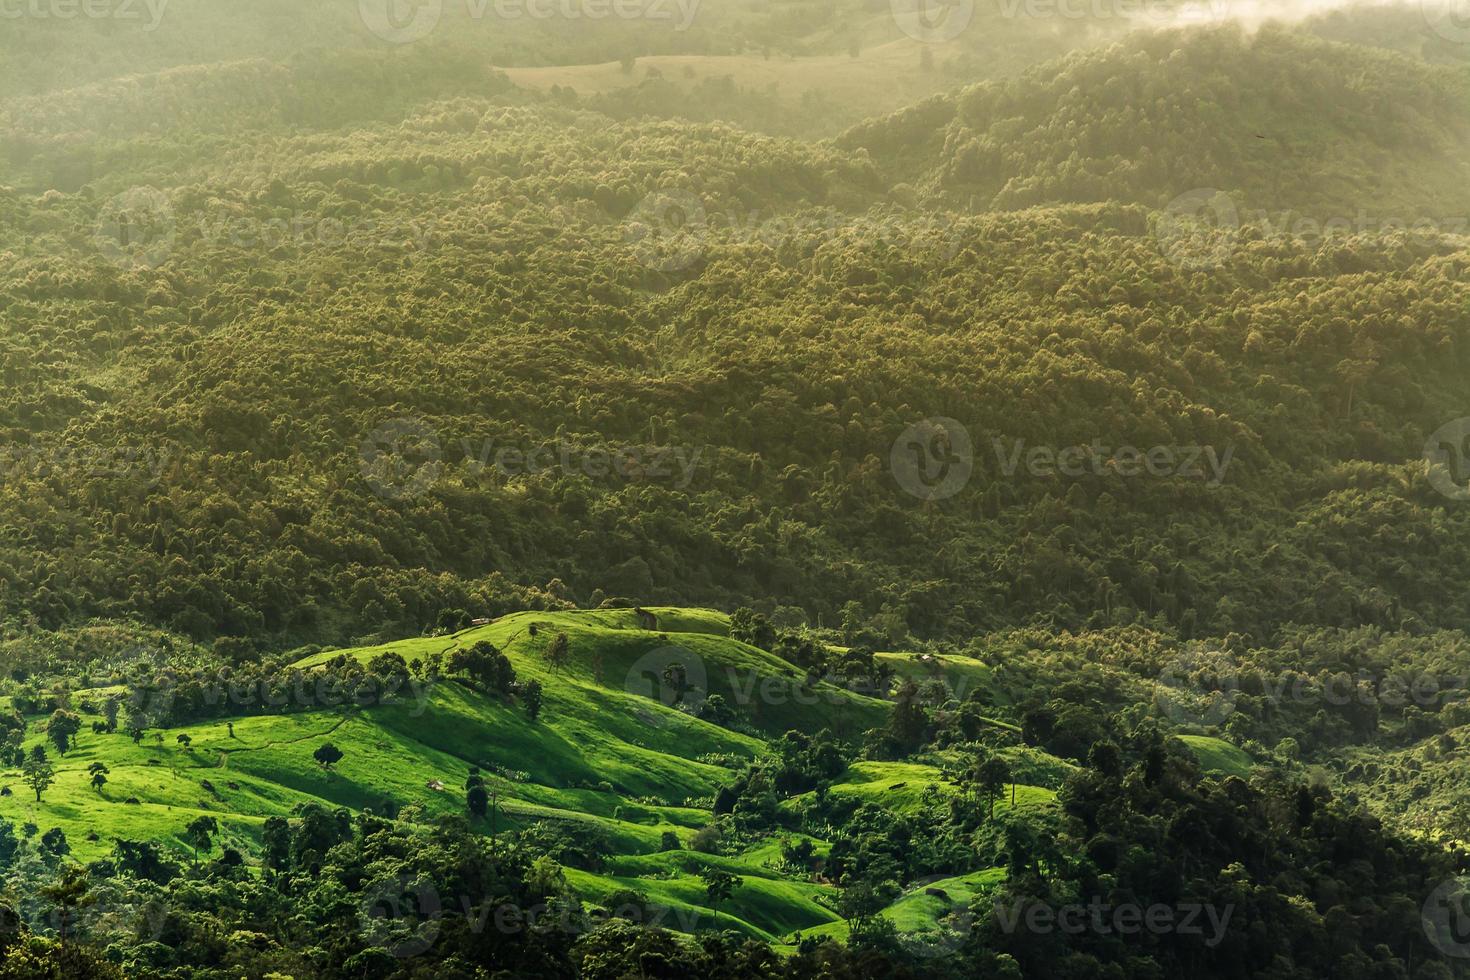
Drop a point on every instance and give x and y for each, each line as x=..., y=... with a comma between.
x=1218, y=756
x=610, y=753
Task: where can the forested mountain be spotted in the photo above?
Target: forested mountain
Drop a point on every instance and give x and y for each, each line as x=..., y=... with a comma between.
x=1279, y=119
x=504, y=272
x=625, y=473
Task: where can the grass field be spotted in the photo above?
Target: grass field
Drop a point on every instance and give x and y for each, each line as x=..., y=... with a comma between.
x=928, y=910
x=610, y=750
x=1219, y=756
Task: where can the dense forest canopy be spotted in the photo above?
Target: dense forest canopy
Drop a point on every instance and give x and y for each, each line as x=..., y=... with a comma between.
x=758, y=320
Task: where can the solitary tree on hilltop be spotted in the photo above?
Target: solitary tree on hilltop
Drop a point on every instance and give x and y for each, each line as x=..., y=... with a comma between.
x=718, y=886
x=200, y=835
x=533, y=698
x=62, y=728
x=558, y=652
x=991, y=776
x=327, y=756
x=477, y=800
x=38, y=774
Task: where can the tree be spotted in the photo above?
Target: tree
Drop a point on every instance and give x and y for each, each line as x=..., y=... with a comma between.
x=558, y=652
x=532, y=695
x=485, y=665
x=275, y=840
x=716, y=710
x=54, y=842
x=718, y=887
x=62, y=728
x=990, y=776
x=909, y=720
x=99, y=776
x=749, y=626
x=137, y=735
x=676, y=678
x=110, y=708
x=38, y=774
x=327, y=756
x=200, y=835
x=144, y=859
x=859, y=900
x=453, y=620
x=477, y=799
x=9, y=844
x=185, y=741
x=69, y=891
x=391, y=668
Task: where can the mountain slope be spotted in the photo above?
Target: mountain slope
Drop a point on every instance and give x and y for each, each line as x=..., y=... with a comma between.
x=1278, y=118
